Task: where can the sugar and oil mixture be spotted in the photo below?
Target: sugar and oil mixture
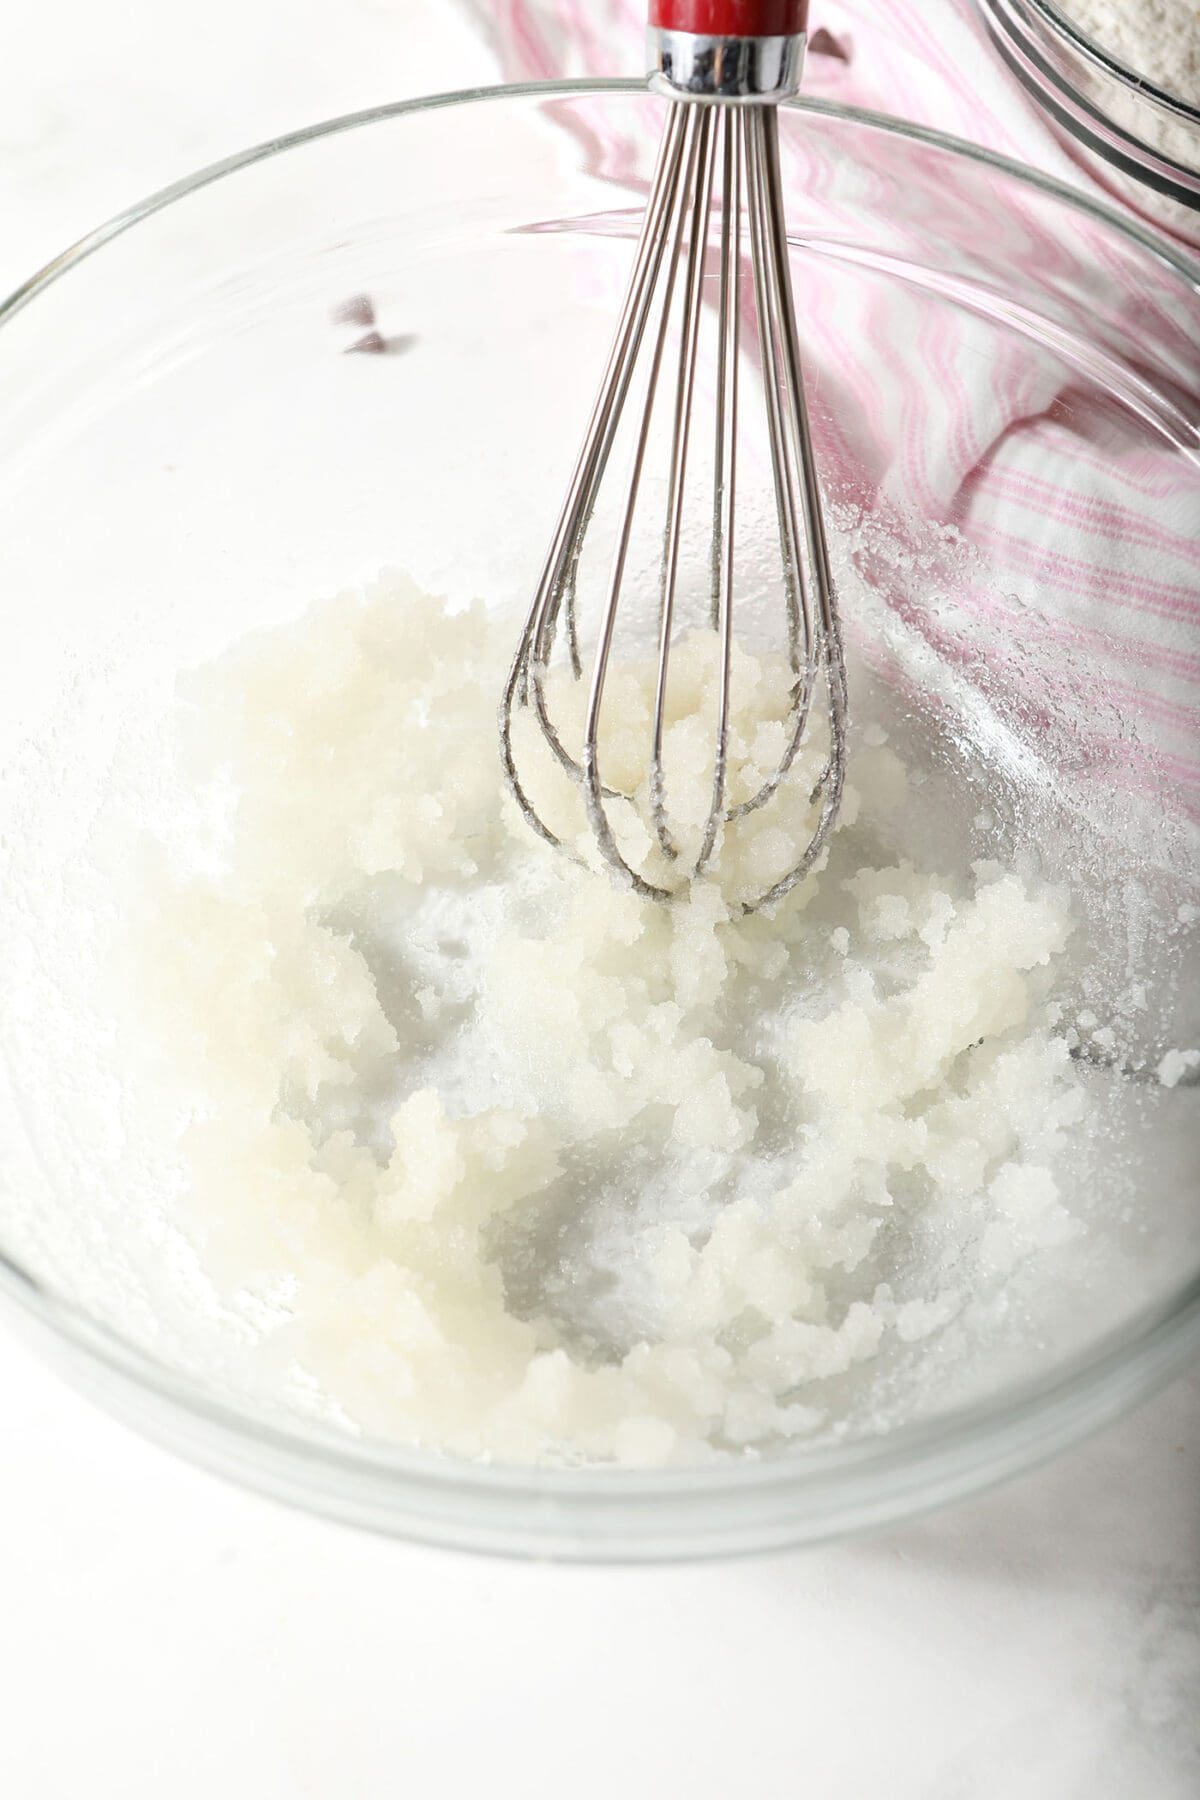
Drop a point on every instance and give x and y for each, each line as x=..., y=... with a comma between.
x=538, y=1169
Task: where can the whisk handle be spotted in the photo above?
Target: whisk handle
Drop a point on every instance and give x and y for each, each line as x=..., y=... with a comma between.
x=731, y=18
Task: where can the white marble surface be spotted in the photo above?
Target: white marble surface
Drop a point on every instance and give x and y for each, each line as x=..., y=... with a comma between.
x=169, y=1638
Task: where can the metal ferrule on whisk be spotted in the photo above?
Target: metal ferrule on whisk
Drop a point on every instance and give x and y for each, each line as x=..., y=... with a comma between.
x=687, y=66
x=726, y=50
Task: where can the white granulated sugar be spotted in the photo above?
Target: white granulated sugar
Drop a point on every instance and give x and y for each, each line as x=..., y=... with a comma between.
x=1159, y=39
x=1175, y=1065
x=549, y=1172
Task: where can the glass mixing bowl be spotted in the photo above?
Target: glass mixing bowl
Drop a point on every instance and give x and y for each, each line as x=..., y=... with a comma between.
x=188, y=452
x=1134, y=138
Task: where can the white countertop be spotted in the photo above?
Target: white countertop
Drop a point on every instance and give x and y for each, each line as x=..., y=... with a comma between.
x=170, y=1638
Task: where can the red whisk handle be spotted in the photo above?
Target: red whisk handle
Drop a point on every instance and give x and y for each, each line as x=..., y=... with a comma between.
x=731, y=18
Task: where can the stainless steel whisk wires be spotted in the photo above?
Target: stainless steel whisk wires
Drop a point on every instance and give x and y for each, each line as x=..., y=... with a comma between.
x=722, y=118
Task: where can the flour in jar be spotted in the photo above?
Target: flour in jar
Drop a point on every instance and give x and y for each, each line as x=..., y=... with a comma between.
x=537, y=1170
x=1159, y=39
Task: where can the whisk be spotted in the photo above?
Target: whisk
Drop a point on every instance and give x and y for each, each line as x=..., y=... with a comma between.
x=723, y=65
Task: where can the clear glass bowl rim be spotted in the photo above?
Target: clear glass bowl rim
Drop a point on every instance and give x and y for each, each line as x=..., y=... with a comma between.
x=1068, y=28
x=595, y=1513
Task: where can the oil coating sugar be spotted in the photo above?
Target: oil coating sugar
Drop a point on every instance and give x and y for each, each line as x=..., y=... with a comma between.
x=546, y=1171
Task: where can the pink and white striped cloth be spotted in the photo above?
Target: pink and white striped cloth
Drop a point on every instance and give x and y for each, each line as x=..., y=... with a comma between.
x=1060, y=494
